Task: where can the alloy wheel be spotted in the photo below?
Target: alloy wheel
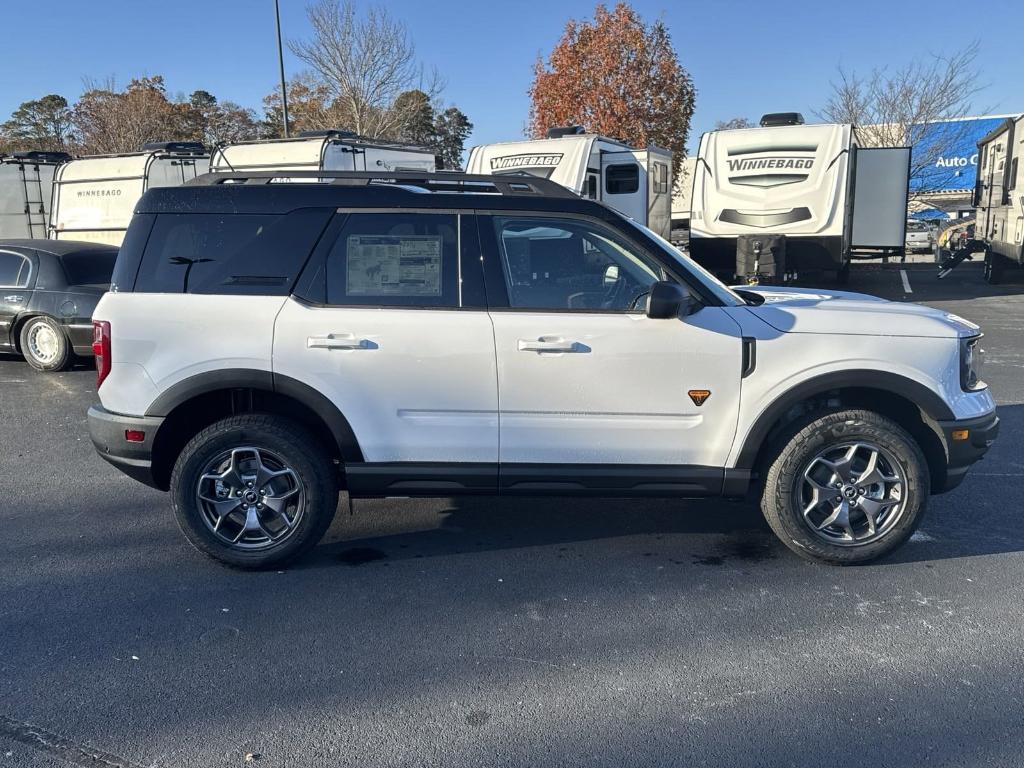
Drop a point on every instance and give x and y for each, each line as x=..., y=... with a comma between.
x=852, y=494
x=250, y=498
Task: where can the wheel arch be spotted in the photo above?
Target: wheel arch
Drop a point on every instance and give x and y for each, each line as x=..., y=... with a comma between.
x=909, y=403
x=196, y=402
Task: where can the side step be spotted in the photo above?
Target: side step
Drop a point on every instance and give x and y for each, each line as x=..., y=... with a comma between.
x=959, y=256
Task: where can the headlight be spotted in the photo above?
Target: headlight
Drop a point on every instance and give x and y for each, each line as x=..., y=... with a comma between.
x=972, y=358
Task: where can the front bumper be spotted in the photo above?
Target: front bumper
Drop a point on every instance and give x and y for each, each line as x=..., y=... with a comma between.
x=107, y=431
x=966, y=442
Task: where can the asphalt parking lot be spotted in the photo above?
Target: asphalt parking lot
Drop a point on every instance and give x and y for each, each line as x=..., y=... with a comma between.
x=508, y=633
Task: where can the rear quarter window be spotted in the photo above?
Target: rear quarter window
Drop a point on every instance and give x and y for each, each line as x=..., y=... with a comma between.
x=235, y=254
x=89, y=268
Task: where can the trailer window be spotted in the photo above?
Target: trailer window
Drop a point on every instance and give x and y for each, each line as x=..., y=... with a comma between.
x=660, y=178
x=1013, y=174
x=622, y=179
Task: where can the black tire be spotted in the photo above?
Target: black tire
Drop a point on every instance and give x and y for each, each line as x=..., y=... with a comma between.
x=44, y=345
x=313, y=470
x=782, y=502
x=994, y=268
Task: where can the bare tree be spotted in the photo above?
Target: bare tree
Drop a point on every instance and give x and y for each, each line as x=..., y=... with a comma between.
x=109, y=120
x=364, y=62
x=732, y=123
x=917, y=105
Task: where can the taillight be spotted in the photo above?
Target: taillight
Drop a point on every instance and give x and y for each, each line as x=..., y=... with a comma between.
x=101, y=349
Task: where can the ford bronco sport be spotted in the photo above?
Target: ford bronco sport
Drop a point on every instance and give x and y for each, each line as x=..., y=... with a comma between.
x=267, y=342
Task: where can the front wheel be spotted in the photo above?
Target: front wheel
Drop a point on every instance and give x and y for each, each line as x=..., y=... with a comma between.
x=847, y=487
x=254, y=491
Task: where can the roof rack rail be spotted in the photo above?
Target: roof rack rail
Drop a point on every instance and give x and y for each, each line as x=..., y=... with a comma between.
x=42, y=156
x=444, y=181
x=175, y=147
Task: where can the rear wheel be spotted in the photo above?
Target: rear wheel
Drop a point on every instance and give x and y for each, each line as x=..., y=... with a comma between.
x=994, y=268
x=45, y=345
x=847, y=487
x=254, y=491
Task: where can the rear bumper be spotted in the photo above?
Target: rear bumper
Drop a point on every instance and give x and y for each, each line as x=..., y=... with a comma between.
x=963, y=450
x=80, y=335
x=107, y=431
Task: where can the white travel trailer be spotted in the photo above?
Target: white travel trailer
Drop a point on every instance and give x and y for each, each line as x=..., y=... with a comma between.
x=322, y=151
x=682, y=192
x=26, y=185
x=808, y=192
x=637, y=182
x=94, y=197
x=999, y=198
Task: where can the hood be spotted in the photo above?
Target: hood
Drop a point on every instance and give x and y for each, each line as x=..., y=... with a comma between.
x=795, y=310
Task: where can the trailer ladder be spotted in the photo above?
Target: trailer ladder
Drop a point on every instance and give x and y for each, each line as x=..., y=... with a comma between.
x=35, y=208
x=964, y=253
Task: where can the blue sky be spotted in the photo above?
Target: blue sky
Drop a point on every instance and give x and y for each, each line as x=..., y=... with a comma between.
x=746, y=57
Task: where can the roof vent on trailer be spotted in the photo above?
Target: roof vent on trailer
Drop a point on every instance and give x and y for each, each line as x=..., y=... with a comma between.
x=329, y=132
x=42, y=156
x=775, y=119
x=558, y=132
x=175, y=147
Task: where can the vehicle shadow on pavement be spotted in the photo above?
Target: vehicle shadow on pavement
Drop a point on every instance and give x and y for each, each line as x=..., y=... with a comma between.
x=966, y=522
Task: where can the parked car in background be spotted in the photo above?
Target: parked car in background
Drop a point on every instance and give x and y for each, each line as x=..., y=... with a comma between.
x=265, y=344
x=920, y=237
x=48, y=290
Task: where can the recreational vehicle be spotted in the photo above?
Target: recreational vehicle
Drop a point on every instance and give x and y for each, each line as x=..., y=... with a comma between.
x=322, y=150
x=636, y=182
x=26, y=184
x=999, y=198
x=94, y=197
x=795, y=198
x=682, y=191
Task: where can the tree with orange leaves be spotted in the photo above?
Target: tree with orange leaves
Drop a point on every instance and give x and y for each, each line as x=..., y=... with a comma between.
x=618, y=77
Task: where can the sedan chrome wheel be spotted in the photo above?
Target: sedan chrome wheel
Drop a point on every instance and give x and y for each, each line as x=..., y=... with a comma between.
x=250, y=498
x=852, y=494
x=43, y=343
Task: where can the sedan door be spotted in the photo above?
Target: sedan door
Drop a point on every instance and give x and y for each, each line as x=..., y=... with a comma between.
x=16, y=275
x=592, y=392
x=393, y=329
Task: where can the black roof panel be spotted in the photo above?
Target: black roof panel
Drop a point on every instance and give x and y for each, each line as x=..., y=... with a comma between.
x=57, y=247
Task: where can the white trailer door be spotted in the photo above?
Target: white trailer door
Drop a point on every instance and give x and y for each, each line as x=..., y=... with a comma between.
x=624, y=184
x=880, y=182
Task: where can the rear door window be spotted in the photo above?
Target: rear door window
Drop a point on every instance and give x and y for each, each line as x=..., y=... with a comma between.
x=247, y=254
x=14, y=270
x=395, y=260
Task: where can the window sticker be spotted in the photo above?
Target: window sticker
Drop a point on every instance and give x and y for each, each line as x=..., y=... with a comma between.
x=386, y=265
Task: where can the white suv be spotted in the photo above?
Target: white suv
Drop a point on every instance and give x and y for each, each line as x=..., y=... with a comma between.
x=267, y=344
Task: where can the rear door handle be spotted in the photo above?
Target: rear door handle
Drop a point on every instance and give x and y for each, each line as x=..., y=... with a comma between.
x=339, y=341
x=15, y=299
x=549, y=344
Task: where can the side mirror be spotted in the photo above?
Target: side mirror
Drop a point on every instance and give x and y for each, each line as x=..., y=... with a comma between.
x=667, y=300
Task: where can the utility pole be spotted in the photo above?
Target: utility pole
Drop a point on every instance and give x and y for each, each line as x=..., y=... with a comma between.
x=280, y=64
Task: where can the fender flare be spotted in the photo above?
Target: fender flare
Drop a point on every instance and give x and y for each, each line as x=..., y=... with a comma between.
x=927, y=400
x=248, y=378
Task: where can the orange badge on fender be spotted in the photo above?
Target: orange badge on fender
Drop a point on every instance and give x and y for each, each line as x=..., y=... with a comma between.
x=699, y=396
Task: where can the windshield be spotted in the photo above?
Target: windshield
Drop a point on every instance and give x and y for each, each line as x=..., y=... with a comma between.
x=721, y=292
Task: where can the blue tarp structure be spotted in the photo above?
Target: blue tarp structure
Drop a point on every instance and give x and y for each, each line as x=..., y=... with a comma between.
x=929, y=214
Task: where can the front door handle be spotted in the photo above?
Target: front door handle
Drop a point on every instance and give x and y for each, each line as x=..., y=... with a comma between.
x=339, y=341
x=550, y=344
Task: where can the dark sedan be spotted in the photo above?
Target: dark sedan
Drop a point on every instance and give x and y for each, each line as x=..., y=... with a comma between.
x=48, y=290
